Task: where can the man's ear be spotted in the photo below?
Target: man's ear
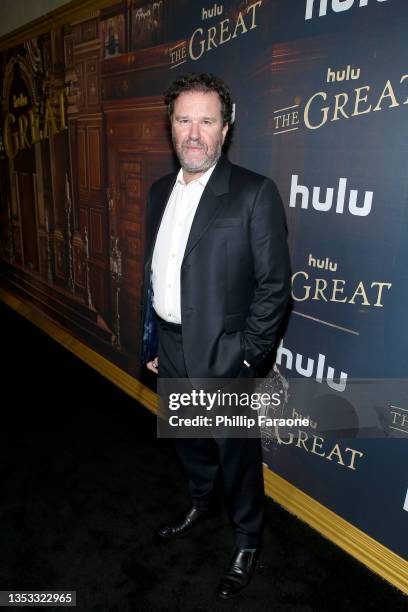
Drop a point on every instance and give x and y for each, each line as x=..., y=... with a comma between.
x=224, y=132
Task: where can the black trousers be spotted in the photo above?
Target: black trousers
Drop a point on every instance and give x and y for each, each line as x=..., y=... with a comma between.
x=239, y=459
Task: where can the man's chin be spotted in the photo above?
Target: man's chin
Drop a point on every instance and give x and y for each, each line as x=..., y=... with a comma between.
x=195, y=167
x=192, y=168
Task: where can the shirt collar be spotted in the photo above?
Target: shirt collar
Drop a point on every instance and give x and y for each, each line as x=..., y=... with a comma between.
x=203, y=180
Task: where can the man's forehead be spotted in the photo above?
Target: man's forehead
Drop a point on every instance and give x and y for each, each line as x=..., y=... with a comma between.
x=200, y=100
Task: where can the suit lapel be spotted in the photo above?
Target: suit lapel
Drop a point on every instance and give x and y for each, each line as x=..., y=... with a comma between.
x=209, y=203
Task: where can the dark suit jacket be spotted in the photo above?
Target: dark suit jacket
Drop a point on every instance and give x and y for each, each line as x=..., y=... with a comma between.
x=235, y=275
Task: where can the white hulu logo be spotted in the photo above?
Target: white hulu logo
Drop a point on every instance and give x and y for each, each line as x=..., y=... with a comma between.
x=338, y=6
x=324, y=204
x=309, y=370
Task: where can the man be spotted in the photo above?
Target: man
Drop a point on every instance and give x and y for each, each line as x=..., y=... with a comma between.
x=217, y=275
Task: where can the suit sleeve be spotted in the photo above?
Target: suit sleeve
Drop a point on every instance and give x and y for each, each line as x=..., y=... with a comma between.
x=267, y=232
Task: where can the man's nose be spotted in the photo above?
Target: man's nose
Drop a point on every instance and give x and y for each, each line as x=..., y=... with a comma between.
x=194, y=132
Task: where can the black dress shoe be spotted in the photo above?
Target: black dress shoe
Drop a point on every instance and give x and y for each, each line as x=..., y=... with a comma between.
x=184, y=523
x=239, y=573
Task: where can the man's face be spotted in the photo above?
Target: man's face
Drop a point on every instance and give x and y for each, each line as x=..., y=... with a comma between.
x=198, y=132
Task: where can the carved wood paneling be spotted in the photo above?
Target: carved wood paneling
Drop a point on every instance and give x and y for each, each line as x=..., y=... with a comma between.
x=69, y=51
x=58, y=156
x=133, y=243
x=43, y=253
x=89, y=30
x=73, y=165
x=90, y=162
x=134, y=74
x=138, y=153
x=81, y=100
x=130, y=313
x=79, y=249
x=79, y=263
x=39, y=189
x=82, y=159
x=83, y=221
x=92, y=81
x=97, y=229
x=60, y=256
x=15, y=199
x=18, y=251
x=88, y=81
x=28, y=219
x=126, y=131
x=131, y=177
x=100, y=291
x=94, y=147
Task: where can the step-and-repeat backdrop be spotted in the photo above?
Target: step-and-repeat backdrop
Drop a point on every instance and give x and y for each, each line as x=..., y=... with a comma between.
x=321, y=106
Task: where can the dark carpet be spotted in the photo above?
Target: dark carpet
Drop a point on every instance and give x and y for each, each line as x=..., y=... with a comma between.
x=84, y=483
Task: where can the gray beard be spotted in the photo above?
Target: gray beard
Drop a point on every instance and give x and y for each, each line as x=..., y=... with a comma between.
x=208, y=162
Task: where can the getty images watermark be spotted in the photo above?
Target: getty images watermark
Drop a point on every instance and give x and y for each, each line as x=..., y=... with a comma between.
x=278, y=407
x=237, y=410
x=225, y=399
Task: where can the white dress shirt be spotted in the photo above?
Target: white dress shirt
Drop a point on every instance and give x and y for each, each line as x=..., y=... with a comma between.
x=171, y=244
